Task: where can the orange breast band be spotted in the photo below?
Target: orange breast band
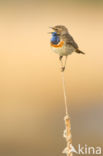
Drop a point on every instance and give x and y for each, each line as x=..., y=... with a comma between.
x=60, y=44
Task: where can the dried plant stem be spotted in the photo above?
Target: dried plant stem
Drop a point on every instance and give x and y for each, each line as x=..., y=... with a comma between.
x=67, y=131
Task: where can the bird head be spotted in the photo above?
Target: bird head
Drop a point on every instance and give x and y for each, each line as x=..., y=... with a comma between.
x=60, y=29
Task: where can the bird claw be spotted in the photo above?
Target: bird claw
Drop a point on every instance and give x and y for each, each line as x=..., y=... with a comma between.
x=62, y=69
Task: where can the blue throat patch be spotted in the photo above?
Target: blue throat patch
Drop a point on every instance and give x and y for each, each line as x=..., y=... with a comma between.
x=55, y=38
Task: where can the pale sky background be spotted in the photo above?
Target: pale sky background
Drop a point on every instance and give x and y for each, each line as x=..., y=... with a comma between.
x=31, y=98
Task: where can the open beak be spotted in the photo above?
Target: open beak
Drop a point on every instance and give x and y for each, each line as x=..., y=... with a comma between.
x=52, y=31
x=51, y=28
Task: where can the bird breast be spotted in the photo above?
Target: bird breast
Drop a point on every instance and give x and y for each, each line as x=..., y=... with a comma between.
x=62, y=49
x=59, y=45
x=59, y=48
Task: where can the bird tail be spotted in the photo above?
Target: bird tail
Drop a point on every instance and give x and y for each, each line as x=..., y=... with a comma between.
x=79, y=51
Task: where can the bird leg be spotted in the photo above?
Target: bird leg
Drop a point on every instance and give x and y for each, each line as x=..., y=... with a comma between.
x=60, y=58
x=62, y=66
x=65, y=62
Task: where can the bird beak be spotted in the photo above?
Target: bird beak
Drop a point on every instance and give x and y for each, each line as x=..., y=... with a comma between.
x=52, y=28
x=50, y=32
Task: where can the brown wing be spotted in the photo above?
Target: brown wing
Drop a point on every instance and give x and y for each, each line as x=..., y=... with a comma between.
x=70, y=41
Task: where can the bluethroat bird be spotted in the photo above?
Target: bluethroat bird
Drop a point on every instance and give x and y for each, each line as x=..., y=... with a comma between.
x=63, y=43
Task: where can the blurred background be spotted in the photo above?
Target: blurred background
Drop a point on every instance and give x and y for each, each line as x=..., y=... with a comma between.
x=31, y=97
